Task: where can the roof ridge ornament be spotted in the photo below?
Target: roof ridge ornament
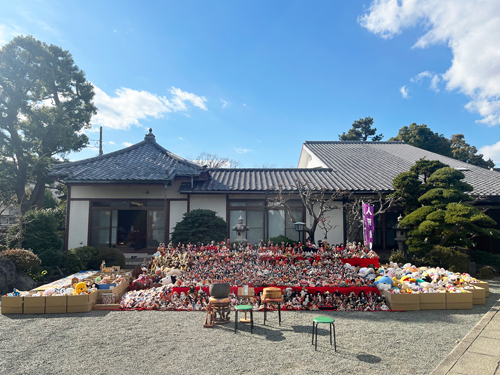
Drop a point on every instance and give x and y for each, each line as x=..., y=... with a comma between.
x=150, y=137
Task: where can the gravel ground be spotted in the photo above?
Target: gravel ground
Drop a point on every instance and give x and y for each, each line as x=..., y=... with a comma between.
x=154, y=342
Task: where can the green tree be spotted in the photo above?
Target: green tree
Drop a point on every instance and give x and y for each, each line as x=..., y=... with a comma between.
x=38, y=230
x=200, y=226
x=463, y=151
x=423, y=137
x=408, y=186
x=446, y=216
x=45, y=103
x=361, y=130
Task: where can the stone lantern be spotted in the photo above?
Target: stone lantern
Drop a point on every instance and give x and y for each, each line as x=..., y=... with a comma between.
x=241, y=231
x=400, y=235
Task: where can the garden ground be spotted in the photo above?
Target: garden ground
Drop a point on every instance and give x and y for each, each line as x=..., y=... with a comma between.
x=154, y=342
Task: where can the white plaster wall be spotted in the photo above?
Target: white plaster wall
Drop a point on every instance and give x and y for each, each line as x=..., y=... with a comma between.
x=177, y=210
x=309, y=160
x=125, y=191
x=78, y=224
x=214, y=202
x=256, y=196
x=335, y=217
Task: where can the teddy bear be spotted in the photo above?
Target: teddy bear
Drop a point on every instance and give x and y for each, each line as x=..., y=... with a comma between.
x=80, y=288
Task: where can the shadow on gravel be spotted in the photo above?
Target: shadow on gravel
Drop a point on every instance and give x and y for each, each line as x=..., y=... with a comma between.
x=368, y=358
x=267, y=333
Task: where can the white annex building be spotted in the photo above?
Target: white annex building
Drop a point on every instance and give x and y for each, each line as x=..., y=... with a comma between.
x=132, y=198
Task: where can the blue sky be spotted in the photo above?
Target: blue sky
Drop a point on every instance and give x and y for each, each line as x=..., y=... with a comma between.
x=253, y=80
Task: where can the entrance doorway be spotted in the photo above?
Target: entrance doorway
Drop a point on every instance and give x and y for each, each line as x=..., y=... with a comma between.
x=132, y=228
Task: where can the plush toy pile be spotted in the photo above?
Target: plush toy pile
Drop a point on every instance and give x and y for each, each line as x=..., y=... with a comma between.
x=410, y=279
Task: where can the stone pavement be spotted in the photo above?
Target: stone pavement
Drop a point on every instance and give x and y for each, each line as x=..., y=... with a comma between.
x=479, y=352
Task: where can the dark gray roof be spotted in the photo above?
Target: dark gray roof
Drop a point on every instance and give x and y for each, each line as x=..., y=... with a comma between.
x=145, y=161
x=373, y=165
x=261, y=180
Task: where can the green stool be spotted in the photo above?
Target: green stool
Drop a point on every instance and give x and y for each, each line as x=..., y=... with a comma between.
x=244, y=308
x=323, y=319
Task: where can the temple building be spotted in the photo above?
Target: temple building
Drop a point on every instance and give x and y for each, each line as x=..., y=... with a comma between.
x=132, y=198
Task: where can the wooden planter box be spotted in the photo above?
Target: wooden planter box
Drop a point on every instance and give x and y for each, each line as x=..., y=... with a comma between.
x=459, y=301
x=12, y=305
x=402, y=301
x=432, y=301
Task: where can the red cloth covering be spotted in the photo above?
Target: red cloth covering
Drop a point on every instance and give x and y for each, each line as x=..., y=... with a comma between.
x=347, y=290
x=362, y=262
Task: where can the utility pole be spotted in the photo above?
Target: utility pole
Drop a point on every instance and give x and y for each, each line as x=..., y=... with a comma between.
x=100, y=140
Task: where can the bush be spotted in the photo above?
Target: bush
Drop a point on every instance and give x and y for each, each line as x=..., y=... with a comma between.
x=71, y=263
x=85, y=257
x=200, y=226
x=451, y=259
x=112, y=257
x=398, y=256
x=279, y=239
x=487, y=259
x=24, y=260
x=51, y=258
x=41, y=230
x=485, y=273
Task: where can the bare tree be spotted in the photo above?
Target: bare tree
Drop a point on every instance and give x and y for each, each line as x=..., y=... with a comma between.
x=326, y=225
x=214, y=161
x=317, y=200
x=353, y=209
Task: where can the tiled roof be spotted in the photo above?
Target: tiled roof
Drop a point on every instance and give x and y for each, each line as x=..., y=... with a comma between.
x=260, y=179
x=373, y=165
x=145, y=161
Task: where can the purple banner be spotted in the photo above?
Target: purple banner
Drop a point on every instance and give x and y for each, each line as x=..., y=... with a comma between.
x=369, y=225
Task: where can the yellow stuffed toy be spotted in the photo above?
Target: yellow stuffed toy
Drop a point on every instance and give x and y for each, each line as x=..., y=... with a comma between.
x=80, y=288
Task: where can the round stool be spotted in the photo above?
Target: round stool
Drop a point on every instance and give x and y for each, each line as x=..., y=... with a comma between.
x=319, y=320
x=244, y=308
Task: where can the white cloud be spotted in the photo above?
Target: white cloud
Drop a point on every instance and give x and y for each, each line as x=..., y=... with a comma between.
x=224, y=103
x=491, y=152
x=127, y=144
x=181, y=97
x=244, y=105
x=404, y=92
x=130, y=106
x=111, y=142
x=181, y=138
x=471, y=29
x=435, y=79
x=242, y=150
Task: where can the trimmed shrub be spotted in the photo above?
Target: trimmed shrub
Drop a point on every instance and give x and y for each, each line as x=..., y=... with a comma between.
x=200, y=226
x=112, y=257
x=85, y=255
x=279, y=239
x=71, y=263
x=397, y=256
x=485, y=273
x=451, y=259
x=487, y=259
x=51, y=258
x=24, y=260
